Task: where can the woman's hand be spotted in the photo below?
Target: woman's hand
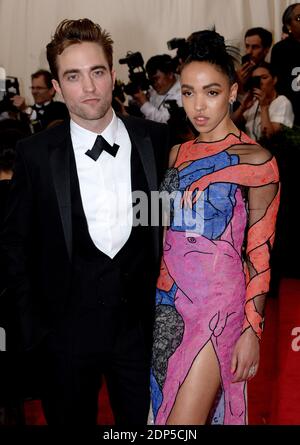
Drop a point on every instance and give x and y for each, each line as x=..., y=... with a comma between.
x=245, y=357
x=261, y=97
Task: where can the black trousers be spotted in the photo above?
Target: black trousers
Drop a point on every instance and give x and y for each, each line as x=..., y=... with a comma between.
x=109, y=343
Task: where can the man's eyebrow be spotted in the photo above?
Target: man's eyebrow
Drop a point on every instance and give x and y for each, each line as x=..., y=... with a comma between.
x=92, y=68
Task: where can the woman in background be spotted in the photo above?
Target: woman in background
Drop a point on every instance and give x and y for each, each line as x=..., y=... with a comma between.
x=262, y=109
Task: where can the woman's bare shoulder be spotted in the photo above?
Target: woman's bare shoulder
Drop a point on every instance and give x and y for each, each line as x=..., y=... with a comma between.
x=173, y=155
x=258, y=155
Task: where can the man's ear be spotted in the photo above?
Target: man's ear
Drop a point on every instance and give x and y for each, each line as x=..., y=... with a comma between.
x=113, y=76
x=52, y=91
x=56, y=86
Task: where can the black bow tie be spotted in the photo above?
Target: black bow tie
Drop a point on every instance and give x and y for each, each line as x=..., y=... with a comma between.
x=40, y=108
x=100, y=145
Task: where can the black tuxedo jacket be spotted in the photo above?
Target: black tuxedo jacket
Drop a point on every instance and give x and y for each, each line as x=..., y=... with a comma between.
x=36, y=238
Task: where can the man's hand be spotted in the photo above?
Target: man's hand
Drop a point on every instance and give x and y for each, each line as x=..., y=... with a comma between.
x=244, y=72
x=245, y=357
x=19, y=102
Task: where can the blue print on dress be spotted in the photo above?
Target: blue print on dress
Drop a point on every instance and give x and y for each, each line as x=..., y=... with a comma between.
x=163, y=297
x=210, y=215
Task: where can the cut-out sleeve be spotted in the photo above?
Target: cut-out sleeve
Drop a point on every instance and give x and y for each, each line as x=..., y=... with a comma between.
x=263, y=202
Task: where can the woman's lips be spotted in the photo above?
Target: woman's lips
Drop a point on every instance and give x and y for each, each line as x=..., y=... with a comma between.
x=201, y=120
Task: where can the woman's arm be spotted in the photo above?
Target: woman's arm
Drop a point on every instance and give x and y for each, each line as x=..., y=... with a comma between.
x=263, y=202
x=268, y=128
x=238, y=115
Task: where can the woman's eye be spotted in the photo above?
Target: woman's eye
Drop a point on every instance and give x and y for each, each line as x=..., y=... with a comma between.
x=213, y=93
x=186, y=93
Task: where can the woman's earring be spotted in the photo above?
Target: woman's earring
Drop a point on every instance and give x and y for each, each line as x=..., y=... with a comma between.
x=231, y=102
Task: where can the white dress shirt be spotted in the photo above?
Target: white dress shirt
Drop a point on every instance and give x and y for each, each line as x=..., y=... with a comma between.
x=105, y=186
x=280, y=111
x=155, y=109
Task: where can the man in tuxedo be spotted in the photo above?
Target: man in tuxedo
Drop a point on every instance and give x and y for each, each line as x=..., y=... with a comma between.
x=82, y=272
x=45, y=111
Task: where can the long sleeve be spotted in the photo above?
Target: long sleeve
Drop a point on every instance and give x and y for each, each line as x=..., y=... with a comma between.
x=155, y=108
x=155, y=114
x=263, y=205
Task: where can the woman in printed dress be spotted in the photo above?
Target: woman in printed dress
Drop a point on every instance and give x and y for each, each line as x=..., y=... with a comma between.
x=215, y=268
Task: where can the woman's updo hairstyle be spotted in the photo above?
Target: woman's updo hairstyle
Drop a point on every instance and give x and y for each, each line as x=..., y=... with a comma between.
x=209, y=46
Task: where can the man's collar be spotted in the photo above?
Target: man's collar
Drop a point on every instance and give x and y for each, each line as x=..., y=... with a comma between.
x=109, y=133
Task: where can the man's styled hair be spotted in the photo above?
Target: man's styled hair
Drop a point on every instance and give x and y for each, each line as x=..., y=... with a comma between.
x=160, y=62
x=70, y=32
x=266, y=36
x=46, y=75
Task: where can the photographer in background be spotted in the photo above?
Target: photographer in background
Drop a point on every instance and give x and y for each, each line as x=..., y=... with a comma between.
x=45, y=111
x=262, y=109
x=164, y=87
x=258, y=42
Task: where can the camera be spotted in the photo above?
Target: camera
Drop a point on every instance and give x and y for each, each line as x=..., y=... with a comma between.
x=182, y=47
x=118, y=91
x=252, y=82
x=171, y=105
x=246, y=58
x=137, y=73
x=175, y=43
x=176, y=112
x=9, y=87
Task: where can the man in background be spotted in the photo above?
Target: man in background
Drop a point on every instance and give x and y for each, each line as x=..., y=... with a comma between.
x=165, y=91
x=258, y=42
x=45, y=111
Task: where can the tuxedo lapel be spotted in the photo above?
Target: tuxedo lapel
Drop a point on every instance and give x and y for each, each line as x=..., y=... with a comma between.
x=144, y=147
x=60, y=165
x=142, y=142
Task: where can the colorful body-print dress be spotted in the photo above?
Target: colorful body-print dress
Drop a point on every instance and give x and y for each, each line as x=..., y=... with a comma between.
x=206, y=291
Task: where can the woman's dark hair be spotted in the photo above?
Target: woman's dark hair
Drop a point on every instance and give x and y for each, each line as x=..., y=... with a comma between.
x=268, y=67
x=10, y=133
x=287, y=15
x=209, y=46
x=7, y=158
